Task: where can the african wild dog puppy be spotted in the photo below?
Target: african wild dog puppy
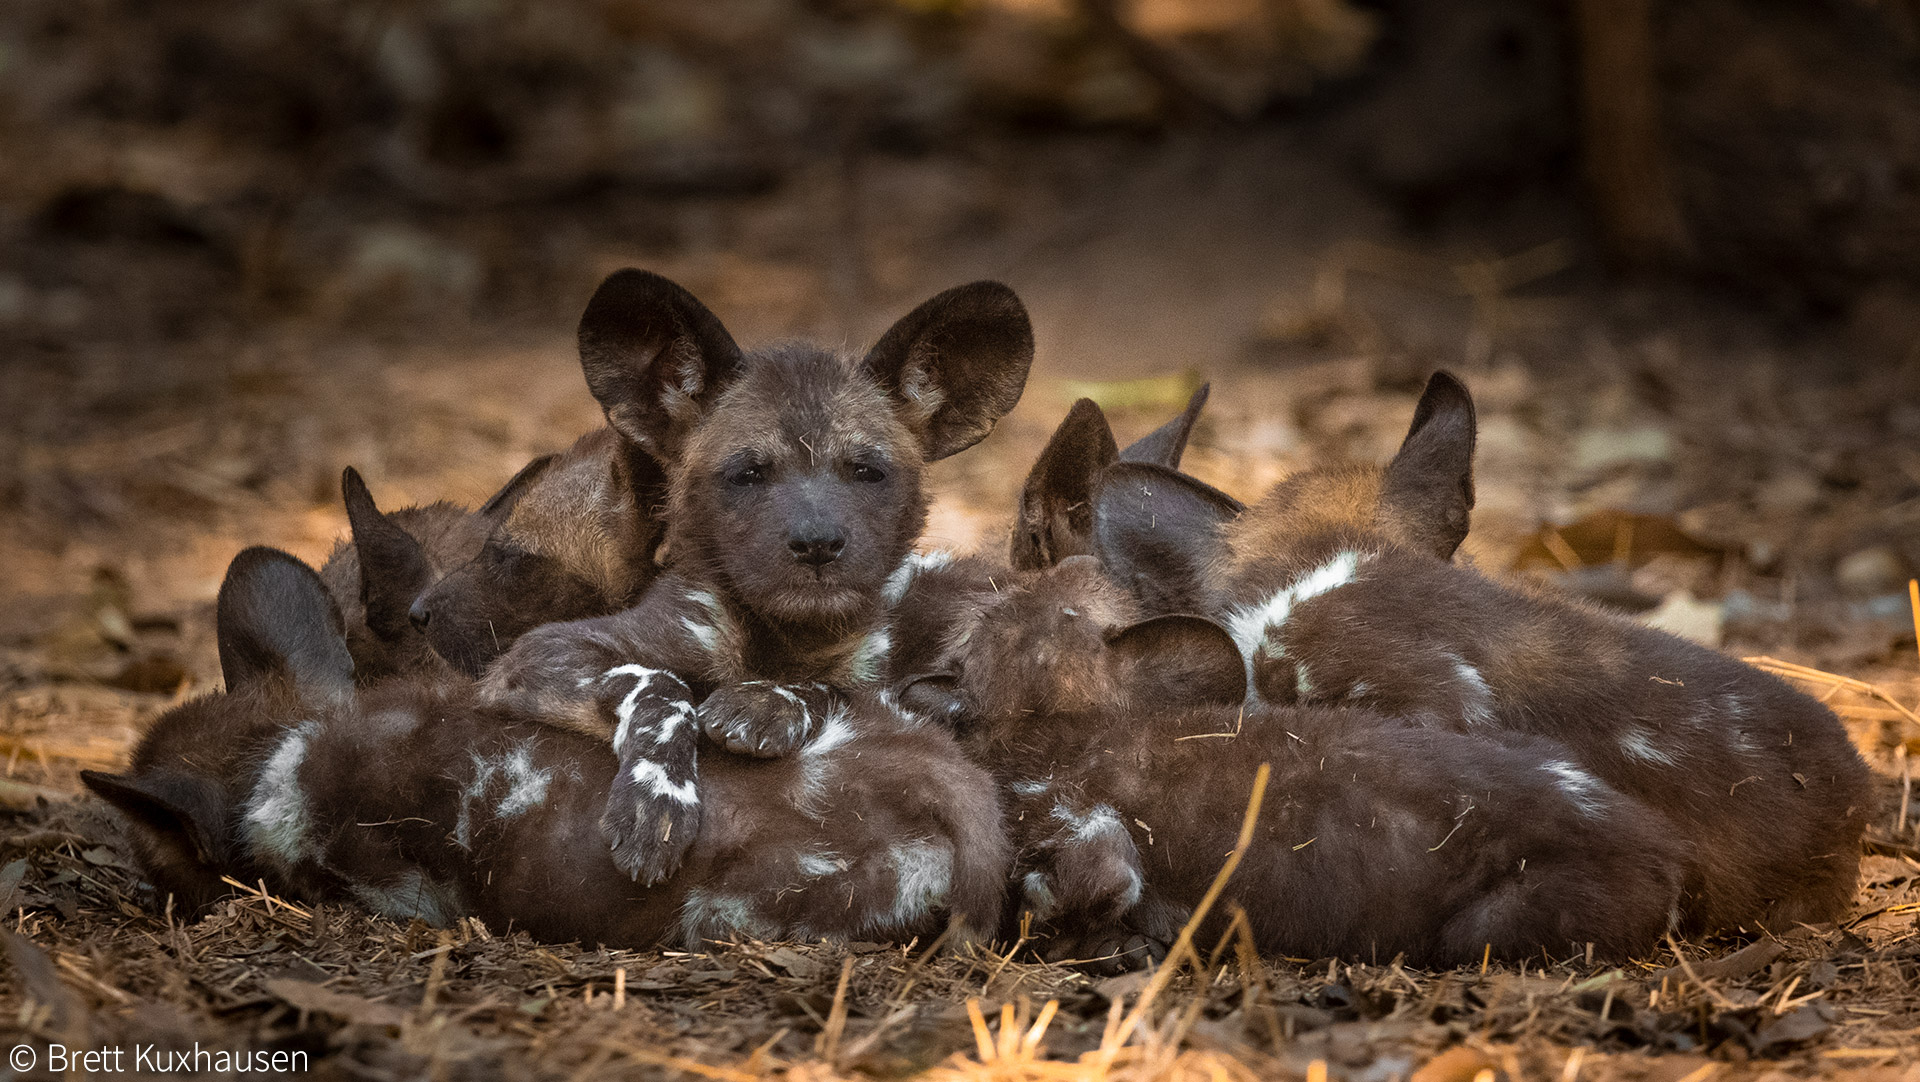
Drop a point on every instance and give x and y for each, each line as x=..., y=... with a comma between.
x=1339, y=588
x=931, y=595
x=1128, y=755
x=581, y=541
x=375, y=574
x=794, y=494
x=415, y=800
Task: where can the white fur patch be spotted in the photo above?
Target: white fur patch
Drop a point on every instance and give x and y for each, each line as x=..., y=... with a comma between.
x=706, y=636
x=718, y=625
x=1252, y=626
x=1478, y=704
x=1638, y=745
x=1100, y=821
x=821, y=862
x=834, y=733
x=923, y=872
x=277, y=819
x=868, y=658
x=1582, y=788
x=810, y=783
x=910, y=568
x=526, y=789
x=1038, y=891
x=526, y=786
x=654, y=776
x=712, y=915
x=1033, y=787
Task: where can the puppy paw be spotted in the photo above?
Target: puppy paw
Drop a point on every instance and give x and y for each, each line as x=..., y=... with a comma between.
x=765, y=719
x=653, y=806
x=1104, y=952
x=650, y=820
x=1097, y=876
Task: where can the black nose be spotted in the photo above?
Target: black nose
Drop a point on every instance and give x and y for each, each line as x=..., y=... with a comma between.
x=419, y=614
x=816, y=550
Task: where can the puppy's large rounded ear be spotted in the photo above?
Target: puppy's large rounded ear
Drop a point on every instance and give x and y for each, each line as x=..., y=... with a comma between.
x=959, y=362
x=1165, y=446
x=1428, y=489
x=182, y=819
x=654, y=358
x=274, y=618
x=183, y=810
x=1157, y=533
x=1178, y=660
x=936, y=697
x=393, y=566
x=1056, y=503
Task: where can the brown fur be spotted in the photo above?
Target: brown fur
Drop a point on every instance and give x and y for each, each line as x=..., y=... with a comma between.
x=1126, y=789
x=1761, y=779
x=415, y=546
x=581, y=541
x=414, y=799
x=794, y=482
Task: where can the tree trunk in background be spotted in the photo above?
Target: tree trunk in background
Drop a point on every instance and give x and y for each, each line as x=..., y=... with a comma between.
x=1622, y=151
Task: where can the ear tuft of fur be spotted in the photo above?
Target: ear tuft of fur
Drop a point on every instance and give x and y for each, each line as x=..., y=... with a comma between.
x=1428, y=488
x=654, y=358
x=959, y=361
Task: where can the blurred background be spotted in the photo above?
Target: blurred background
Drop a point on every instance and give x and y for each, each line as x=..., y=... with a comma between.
x=1671, y=245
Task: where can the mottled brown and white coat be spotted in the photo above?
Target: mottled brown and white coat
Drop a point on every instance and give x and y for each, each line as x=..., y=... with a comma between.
x=1128, y=756
x=1339, y=587
x=416, y=800
x=794, y=495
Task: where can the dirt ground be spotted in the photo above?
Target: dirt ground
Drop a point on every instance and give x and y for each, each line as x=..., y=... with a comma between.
x=1748, y=477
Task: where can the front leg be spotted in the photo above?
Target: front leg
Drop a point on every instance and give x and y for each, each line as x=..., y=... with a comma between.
x=653, y=806
x=554, y=673
x=766, y=719
x=1078, y=862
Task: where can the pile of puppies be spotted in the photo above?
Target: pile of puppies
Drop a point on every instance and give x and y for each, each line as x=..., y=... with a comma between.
x=690, y=680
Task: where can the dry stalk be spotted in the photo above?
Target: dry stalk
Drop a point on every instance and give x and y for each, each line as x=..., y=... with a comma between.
x=1819, y=676
x=829, y=1042
x=1184, y=944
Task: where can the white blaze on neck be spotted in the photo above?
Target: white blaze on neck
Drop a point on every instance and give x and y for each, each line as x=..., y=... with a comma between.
x=868, y=658
x=1252, y=626
x=277, y=819
x=910, y=568
x=718, y=626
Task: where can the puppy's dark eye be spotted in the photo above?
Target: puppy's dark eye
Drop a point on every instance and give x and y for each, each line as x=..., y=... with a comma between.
x=868, y=474
x=751, y=474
